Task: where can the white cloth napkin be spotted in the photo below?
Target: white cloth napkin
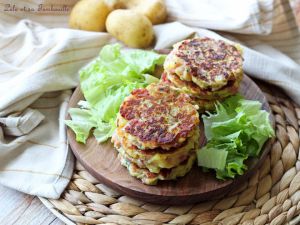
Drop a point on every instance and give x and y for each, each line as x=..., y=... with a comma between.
x=39, y=64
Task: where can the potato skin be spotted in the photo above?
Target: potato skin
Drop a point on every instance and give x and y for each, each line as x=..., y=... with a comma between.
x=130, y=27
x=155, y=10
x=89, y=15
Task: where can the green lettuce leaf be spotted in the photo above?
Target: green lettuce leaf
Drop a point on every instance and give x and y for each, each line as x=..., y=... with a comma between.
x=238, y=127
x=210, y=157
x=105, y=82
x=81, y=123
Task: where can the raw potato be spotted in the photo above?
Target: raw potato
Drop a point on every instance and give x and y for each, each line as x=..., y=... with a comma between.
x=130, y=27
x=155, y=10
x=89, y=15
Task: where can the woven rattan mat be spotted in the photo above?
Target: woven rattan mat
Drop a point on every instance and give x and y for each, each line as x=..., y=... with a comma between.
x=270, y=196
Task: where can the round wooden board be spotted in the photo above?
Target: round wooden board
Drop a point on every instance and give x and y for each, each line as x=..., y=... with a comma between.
x=102, y=162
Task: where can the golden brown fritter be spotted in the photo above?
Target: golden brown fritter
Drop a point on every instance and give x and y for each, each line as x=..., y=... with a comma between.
x=208, y=63
x=155, y=159
x=165, y=174
x=157, y=116
x=194, y=91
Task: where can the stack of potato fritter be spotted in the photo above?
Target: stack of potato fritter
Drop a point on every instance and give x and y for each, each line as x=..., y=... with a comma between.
x=206, y=69
x=157, y=133
x=158, y=127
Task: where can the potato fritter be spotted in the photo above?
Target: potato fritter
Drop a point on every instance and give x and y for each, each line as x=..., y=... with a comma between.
x=157, y=117
x=194, y=91
x=210, y=64
x=155, y=159
x=165, y=174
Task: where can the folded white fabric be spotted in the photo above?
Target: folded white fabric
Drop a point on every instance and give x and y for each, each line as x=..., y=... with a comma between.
x=34, y=155
x=248, y=17
x=38, y=162
x=20, y=123
x=39, y=66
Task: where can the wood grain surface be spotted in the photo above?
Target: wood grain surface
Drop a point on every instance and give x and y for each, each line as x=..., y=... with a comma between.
x=102, y=162
x=17, y=208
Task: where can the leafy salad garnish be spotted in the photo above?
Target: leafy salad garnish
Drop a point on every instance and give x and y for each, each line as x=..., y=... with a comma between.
x=105, y=82
x=237, y=130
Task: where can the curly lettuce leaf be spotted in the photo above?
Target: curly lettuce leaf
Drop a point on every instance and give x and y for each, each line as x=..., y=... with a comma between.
x=114, y=68
x=238, y=127
x=81, y=123
x=105, y=82
x=210, y=157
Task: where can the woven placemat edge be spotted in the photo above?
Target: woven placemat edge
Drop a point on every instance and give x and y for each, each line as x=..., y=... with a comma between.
x=67, y=221
x=60, y=216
